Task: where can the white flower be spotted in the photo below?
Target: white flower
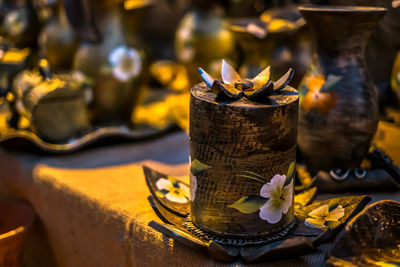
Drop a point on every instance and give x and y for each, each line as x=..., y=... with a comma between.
x=15, y=22
x=174, y=191
x=126, y=63
x=320, y=215
x=280, y=198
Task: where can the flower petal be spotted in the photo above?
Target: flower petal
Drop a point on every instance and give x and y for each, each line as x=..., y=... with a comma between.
x=288, y=197
x=262, y=78
x=268, y=190
x=116, y=55
x=185, y=189
x=164, y=183
x=320, y=212
x=308, y=101
x=326, y=102
x=206, y=77
x=229, y=74
x=270, y=213
x=335, y=214
x=178, y=198
x=121, y=74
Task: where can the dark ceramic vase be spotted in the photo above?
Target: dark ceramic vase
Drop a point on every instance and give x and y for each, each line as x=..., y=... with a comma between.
x=287, y=46
x=19, y=23
x=201, y=40
x=111, y=55
x=58, y=36
x=338, y=100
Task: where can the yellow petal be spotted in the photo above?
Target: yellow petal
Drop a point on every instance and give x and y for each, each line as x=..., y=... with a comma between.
x=229, y=74
x=262, y=78
x=319, y=212
x=335, y=214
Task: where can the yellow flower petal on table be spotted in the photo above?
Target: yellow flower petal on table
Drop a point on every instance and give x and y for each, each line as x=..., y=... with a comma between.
x=335, y=214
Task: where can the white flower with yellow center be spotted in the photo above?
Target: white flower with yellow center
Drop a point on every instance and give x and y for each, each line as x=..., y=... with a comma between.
x=280, y=198
x=174, y=190
x=126, y=63
x=320, y=215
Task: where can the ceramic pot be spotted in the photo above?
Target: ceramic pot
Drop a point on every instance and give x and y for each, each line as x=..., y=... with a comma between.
x=338, y=100
x=230, y=142
x=279, y=39
x=111, y=57
x=16, y=218
x=202, y=40
x=56, y=107
x=58, y=36
x=19, y=23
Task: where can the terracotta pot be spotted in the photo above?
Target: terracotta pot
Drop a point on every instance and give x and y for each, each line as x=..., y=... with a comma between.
x=16, y=218
x=339, y=102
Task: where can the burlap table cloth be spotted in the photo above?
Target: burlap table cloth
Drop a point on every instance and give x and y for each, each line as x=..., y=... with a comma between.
x=94, y=209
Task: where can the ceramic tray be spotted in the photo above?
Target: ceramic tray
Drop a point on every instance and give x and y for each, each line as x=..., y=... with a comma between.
x=24, y=139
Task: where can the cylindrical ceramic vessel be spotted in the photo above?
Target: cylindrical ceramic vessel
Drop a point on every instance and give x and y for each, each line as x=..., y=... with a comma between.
x=339, y=102
x=232, y=141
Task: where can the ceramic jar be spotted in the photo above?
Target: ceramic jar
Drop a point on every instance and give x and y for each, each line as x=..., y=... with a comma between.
x=57, y=41
x=241, y=152
x=202, y=40
x=111, y=56
x=338, y=100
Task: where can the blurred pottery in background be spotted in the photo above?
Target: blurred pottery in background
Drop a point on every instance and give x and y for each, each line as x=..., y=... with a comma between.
x=202, y=40
x=55, y=107
x=395, y=80
x=57, y=41
x=111, y=55
x=19, y=23
x=16, y=218
x=338, y=100
x=278, y=39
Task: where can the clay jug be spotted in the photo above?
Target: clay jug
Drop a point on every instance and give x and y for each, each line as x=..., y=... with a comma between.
x=338, y=99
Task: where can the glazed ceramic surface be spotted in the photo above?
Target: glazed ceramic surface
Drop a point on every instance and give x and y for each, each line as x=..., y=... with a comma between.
x=338, y=100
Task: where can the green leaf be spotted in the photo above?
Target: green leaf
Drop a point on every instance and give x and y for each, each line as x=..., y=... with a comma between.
x=314, y=70
x=304, y=198
x=333, y=203
x=249, y=204
x=331, y=80
x=257, y=176
x=290, y=172
x=197, y=167
x=252, y=178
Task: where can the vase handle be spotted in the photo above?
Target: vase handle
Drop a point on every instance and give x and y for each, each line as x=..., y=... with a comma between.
x=81, y=17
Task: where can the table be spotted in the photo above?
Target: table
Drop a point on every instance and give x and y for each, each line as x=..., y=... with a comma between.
x=93, y=209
